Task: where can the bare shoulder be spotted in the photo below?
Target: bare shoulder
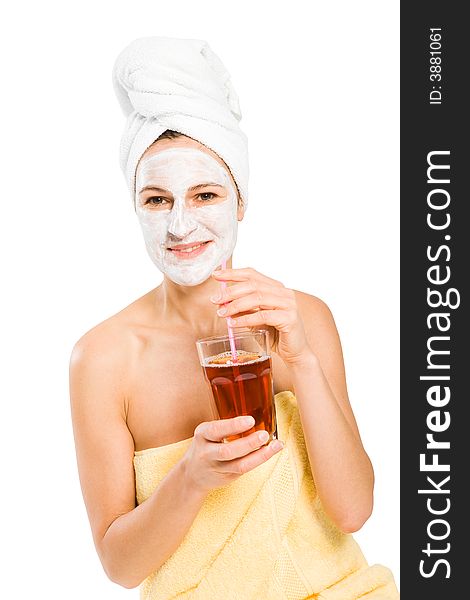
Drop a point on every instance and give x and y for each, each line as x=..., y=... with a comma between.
x=103, y=342
x=323, y=339
x=110, y=343
x=103, y=348
x=315, y=313
x=322, y=335
x=100, y=367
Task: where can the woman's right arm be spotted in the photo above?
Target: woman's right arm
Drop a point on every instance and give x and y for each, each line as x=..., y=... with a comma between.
x=133, y=541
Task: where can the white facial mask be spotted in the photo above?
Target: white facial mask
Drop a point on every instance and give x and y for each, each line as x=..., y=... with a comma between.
x=182, y=217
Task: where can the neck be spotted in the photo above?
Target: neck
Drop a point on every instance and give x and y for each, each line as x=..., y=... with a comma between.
x=190, y=306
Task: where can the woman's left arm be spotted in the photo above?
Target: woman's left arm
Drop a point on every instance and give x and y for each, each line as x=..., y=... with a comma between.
x=310, y=347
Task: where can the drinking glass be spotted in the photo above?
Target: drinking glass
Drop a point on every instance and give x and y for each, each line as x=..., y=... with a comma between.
x=240, y=377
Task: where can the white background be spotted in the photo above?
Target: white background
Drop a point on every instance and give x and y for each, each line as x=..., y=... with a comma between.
x=318, y=86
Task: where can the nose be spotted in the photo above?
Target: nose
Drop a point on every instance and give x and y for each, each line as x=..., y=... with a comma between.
x=180, y=224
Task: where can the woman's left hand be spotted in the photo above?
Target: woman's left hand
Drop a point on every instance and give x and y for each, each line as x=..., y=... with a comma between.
x=254, y=300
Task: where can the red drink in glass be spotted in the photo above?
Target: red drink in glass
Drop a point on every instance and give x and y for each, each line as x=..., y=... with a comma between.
x=244, y=387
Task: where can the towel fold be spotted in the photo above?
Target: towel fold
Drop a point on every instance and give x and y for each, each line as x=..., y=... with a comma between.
x=264, y=536
x=180, y=84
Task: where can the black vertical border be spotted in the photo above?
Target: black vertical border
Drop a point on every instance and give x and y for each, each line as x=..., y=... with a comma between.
x=425, y=128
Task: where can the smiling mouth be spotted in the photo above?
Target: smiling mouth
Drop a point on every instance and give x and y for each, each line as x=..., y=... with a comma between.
x=188, y=250
x=187, y=247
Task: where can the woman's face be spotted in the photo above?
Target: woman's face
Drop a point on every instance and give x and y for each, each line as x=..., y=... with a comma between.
x=187, y=206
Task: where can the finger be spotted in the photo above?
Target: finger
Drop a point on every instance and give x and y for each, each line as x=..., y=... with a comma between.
x=240, y=447
x=246, y=463
x=255, y=301
x=243, y=275
x=282, y=320
x=236, y=290
x=216, y=431
x=250, y=286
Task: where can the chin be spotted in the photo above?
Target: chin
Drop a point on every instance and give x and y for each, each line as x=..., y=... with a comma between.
x=185, y=283
x=191, y=279
x=194, y=274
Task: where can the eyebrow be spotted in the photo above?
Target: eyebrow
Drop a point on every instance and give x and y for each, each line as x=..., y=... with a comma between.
x=191, y=189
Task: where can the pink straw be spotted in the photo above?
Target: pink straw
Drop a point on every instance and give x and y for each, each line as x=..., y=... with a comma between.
x=230, y=330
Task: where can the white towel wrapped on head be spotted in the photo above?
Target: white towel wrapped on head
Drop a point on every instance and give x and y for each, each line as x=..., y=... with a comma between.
x=180, y=84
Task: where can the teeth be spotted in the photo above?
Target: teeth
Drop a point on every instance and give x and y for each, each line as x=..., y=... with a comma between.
x=189, y=249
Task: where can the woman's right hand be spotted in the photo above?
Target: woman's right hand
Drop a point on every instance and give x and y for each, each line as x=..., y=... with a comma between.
x=210, y=463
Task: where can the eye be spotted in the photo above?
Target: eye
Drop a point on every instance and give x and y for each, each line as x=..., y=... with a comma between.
x=204, y=195
x=156, y=200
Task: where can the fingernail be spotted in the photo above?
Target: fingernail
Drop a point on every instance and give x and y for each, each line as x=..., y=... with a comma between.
x=217, y=272
x=248, y=420
x=277, y=445
x=221, y=311
x=216, y=298
x=263, y=436
x=231, y=321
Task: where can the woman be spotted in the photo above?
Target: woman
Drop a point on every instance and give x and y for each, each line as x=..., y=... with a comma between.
x=137, y=388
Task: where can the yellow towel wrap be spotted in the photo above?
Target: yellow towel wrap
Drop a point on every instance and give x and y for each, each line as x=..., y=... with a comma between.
x=262, y=537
